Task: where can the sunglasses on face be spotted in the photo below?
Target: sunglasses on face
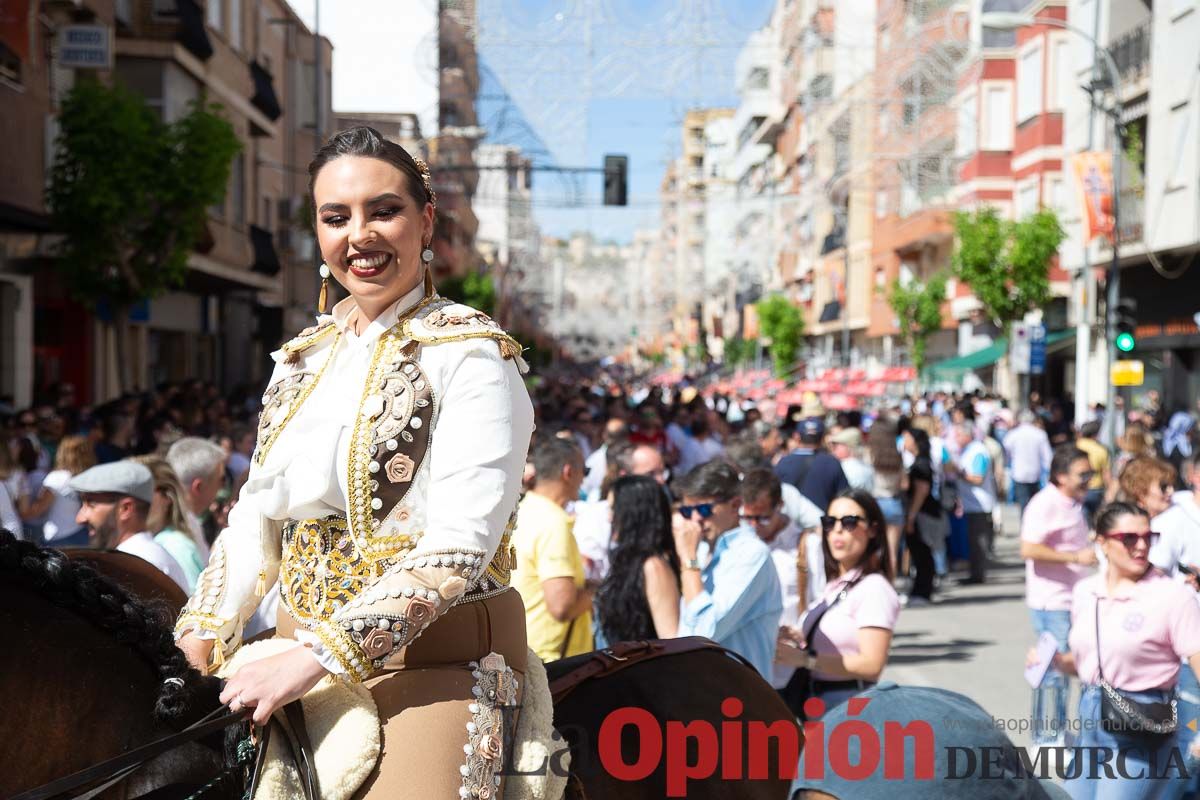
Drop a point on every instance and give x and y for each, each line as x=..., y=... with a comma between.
x=849, y=522
x=705, y=510
x=1130, y=540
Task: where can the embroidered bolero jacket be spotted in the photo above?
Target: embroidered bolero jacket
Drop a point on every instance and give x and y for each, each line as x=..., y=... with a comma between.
x=383, y=485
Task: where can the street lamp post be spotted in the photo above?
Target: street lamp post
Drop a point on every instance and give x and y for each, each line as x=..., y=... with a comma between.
x=1009, y=21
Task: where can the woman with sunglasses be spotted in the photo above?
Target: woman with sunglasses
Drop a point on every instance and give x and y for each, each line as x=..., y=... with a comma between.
x=844, y=639
x=1130, y=626
x=1150, y=483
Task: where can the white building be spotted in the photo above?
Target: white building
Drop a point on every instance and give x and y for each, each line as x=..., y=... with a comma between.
x=1159, y=204
x=508, y=238
x=590, y=298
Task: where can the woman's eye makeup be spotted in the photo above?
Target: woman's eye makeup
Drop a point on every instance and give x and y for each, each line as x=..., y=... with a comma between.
x=337, y=220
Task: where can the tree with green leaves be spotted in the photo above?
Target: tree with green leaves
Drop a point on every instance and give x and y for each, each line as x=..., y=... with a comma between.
x=737, y=351
x=780, y=321
x=918, y=307
x=131, y=194
x=474, y=289
x=1006, y=263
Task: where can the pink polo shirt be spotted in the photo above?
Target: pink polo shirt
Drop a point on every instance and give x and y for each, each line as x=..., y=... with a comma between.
x=1057, y=521
x=872, y=603
x=1143, y=633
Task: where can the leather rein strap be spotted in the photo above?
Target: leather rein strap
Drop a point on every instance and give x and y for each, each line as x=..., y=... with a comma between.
x=625, y=654
x=126, y=763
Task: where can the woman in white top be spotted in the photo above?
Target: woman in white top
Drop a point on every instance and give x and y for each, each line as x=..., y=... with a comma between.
x=56, y=501
x=389, y=460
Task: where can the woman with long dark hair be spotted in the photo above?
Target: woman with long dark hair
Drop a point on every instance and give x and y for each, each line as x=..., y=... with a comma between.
x=925, y=524
x=640, y=597
x=888, y=489
x=844, y=639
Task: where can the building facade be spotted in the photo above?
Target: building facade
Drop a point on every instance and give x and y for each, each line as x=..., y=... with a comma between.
x=1158, y=230
x=253, y=276
x=452, y=149
x=508, y=239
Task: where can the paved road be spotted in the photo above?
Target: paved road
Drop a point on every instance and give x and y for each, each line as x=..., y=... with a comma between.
x=973, y=640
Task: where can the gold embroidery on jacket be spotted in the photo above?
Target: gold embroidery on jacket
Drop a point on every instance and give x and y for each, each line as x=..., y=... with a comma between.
x=283, y=399
x=395, y=417
x=323, y=569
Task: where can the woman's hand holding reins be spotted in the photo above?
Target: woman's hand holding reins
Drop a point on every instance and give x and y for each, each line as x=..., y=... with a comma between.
x=271, y=683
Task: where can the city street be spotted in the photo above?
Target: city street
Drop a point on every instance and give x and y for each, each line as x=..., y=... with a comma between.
x=973, y=639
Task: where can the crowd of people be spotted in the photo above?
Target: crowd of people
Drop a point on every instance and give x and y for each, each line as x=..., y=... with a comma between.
x=797, y=540
x=793, y=539
x=154, y=475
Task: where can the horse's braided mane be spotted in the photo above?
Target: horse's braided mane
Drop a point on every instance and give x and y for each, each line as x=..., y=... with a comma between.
x=105, y=604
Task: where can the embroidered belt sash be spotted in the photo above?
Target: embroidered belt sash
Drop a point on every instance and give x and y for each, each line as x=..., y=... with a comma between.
x=322, y=568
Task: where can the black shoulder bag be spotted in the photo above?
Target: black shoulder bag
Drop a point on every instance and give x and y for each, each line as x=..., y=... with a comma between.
x=799, y=686
x=1121, y=715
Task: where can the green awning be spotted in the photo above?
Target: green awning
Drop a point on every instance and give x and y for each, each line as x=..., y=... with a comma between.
x=953, y=369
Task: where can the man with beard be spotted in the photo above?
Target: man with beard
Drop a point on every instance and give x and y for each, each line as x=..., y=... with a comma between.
x=116, y=500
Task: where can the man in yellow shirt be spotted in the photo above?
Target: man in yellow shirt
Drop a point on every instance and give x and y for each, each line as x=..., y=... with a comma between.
x=1098, y=459
x=549, y=572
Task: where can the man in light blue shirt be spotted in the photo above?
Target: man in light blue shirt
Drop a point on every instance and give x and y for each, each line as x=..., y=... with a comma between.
x=977, y=494
x=730, y=587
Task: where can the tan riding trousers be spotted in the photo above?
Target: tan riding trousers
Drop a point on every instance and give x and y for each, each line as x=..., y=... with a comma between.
x=425, y=706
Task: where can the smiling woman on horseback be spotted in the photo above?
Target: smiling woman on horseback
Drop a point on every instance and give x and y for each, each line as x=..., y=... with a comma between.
x=389, y=459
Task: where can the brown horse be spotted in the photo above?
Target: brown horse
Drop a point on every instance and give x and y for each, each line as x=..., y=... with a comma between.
x=83, y=667
x=697, y=724
x=82, y=673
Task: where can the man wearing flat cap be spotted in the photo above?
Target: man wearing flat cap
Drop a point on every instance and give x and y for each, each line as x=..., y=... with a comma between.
x=115, y=502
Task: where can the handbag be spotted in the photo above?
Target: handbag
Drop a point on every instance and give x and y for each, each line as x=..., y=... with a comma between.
x=1123, y=716
x=933, y=529
x=799, y=686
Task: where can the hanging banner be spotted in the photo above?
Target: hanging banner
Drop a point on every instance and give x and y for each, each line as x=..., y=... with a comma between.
x=1093, y=182
x=14, y=26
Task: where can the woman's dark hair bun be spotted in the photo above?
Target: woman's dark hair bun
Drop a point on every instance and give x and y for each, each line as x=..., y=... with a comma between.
x=367, y=142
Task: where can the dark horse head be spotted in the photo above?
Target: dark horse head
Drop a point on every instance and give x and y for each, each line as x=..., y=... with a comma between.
x=87, y=672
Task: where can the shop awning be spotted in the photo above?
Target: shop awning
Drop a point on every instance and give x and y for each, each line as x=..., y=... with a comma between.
x=952, y=369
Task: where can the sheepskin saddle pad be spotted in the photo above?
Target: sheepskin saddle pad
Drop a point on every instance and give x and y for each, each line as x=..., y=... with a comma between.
x=343, y=727
x=537, y=747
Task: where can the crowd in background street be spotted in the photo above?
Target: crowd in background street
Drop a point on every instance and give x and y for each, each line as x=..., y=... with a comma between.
x=793, y=536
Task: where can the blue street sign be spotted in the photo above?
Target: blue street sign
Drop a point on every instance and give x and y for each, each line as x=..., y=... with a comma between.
x=1037, y=349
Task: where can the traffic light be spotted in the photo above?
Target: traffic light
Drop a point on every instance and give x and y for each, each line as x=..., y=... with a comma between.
x=616, y=175
x=1125, y=323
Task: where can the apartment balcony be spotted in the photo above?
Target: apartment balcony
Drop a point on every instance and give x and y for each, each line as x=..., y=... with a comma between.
x=1132, y=208
x=1131, y=52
